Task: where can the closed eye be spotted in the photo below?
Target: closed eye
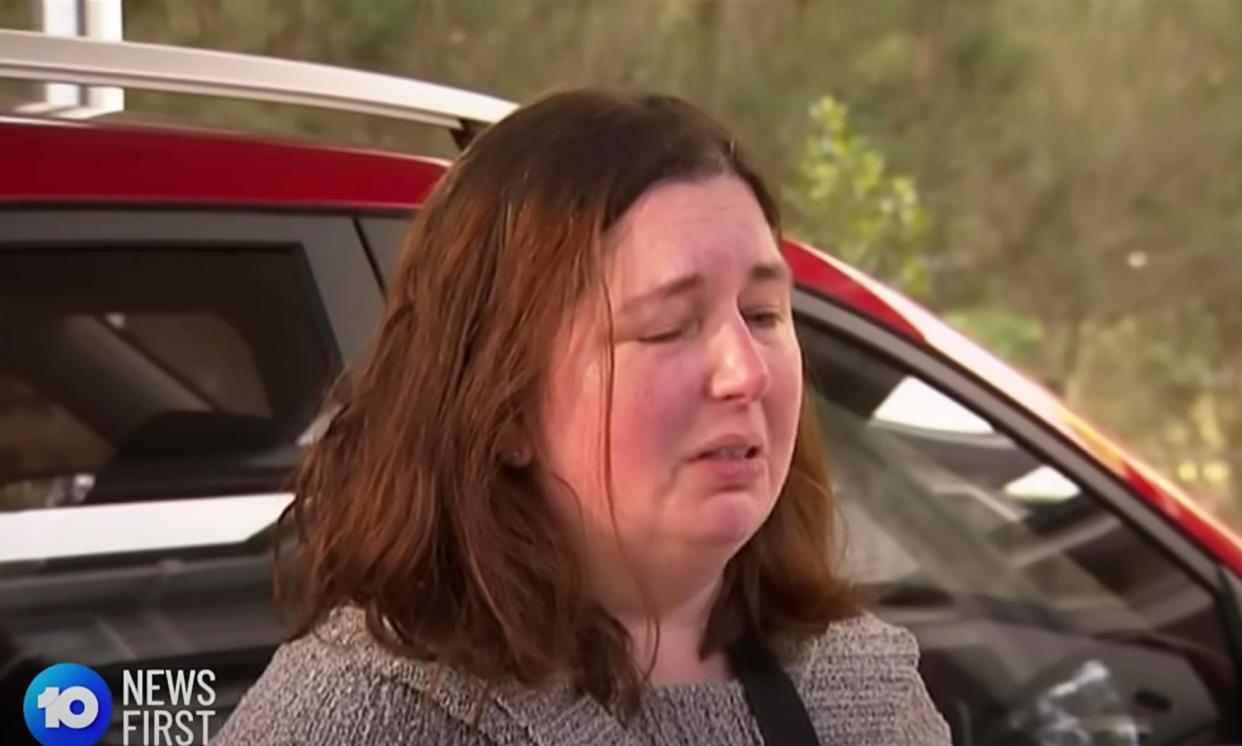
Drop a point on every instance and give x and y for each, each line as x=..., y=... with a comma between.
x=764, y=319
x=655, y=339
x=670, y=335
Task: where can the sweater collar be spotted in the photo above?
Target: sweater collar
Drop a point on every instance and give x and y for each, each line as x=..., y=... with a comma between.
x=506, y=712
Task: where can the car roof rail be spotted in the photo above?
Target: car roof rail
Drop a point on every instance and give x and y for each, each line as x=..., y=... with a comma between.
x=29, y=55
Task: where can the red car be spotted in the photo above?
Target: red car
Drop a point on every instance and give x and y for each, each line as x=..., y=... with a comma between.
x=173, y=304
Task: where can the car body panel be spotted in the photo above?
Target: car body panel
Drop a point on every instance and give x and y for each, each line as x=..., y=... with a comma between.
x=82, y=163
x=72, y=163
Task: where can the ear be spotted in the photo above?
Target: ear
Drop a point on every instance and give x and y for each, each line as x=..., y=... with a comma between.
x=519, y=457
x=515, y=447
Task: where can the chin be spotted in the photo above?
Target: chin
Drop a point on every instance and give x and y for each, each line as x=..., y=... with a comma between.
x=727, y=521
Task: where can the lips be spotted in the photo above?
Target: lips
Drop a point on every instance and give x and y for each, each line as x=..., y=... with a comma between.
x=733, y=453
x=733, y=446
x=731, y=461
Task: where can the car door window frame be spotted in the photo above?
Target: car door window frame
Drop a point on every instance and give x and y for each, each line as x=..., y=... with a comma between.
x=346, y=298
x=1042, y=442
x=384, y=236
x=342, y=293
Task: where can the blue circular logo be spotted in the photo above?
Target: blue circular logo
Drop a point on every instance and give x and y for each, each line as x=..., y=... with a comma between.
x=68, y=705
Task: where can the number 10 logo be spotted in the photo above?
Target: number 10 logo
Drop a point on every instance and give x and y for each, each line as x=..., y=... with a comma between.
x=68, y=705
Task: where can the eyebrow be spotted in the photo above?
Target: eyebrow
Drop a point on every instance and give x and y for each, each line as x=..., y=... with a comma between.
x=771, y=272
x=764, y=272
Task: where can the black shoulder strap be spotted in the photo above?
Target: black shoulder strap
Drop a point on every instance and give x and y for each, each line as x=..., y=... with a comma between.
x=771, y=695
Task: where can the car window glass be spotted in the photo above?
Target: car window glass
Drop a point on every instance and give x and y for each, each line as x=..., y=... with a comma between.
x=1043, y=617
x=203, y=349
x=40, y=439
x=188, y=373
x=152, y=402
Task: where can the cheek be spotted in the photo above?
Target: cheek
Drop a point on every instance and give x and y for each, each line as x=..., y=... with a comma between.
x=571, y=424
x=653, y=408
x=783, y=403
x=576, y=408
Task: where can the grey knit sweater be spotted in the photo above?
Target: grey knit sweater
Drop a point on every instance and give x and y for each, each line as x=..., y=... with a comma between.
x=858, y=681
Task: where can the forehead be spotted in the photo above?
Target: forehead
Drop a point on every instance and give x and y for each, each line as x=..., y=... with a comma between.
x=689, y=226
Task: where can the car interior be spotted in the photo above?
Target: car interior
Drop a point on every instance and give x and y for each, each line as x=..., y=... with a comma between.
x=1042, y=618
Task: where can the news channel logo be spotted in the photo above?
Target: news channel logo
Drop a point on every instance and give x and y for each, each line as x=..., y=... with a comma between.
x=68, y=705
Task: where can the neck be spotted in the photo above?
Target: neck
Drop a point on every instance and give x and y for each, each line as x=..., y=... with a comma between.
x=681, y=622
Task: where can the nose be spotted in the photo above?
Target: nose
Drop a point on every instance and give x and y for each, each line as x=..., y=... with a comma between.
x=739, y=371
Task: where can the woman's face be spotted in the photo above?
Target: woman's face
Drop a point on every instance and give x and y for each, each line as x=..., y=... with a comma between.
x=707, y=380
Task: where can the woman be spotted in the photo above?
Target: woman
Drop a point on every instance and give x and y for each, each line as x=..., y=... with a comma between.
x=575, y=491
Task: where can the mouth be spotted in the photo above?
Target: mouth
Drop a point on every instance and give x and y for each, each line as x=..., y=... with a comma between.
x=729, y=453
x=730, y=446
x=732, y=462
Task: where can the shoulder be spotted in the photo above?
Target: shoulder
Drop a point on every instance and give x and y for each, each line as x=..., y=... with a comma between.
x=337, y=685
x=867, y=635
x=860, y=681
x=861, y=649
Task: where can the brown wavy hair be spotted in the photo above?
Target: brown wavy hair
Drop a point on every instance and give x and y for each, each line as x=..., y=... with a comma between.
x=408, y=506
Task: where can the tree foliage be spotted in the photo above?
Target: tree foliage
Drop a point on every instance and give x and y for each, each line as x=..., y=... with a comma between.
x=846, y=199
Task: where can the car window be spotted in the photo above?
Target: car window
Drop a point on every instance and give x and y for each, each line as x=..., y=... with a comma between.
x=180, y=373
x=205, y=350
x=1043, y=617
x=161, y=371
x=152, y=402
x=40, y=439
